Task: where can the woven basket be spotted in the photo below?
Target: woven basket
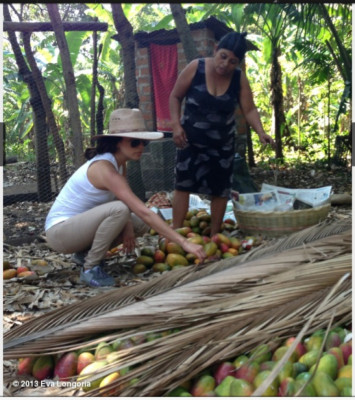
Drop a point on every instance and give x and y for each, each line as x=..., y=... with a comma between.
x=279, y=223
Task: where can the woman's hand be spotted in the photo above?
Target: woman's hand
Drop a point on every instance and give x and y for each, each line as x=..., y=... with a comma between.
x=179, y=137
x=194, y=249
x=129, y=240
x=266, y=139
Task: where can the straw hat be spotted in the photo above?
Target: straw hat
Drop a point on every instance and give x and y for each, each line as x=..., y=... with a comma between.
x=127, y=122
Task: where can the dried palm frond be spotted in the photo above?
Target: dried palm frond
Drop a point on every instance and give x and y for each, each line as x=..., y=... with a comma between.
x=72, y=315
x=257, y=315
x=222, y=310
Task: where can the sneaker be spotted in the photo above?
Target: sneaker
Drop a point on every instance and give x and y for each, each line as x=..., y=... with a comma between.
x=79, y=258
x=96, y=277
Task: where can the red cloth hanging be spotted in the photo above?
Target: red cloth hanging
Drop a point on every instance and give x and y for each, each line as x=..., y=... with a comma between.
x=164, y=61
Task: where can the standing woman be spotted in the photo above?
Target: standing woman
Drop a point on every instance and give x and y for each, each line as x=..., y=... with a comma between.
x=212, y=88
x=96, y=209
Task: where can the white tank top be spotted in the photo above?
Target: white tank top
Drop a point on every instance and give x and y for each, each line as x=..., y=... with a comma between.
x=79, y=195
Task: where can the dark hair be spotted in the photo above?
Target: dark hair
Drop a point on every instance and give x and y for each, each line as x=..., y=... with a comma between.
x=105, y=144
x=235, y=42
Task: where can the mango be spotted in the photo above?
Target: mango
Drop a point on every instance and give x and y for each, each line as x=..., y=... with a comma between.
x=341, y=383
x=179, y=392
x=43, y=367
x=333, y=340
x=40, y=263
x=210, y=248
x=183, y=231
x=84, y=359
x=273, y=387
x=66, y=366
x=113, y=357
x=25, y=365
x=176, y=259
x=240, y=388
x=204, y=385
x=139, y=268
x=314, y=343
x=342, y=332
x=346, y=349
x=174, y=248
x=203, y=216
x=350, y=360
x=300, y=347
x=196, y=239
x=86, y=373
x=102, y=350
x=307, y=391
x=223, y=389
x=162, y=244
x=304, y=377
x=107, y=380
x=190, y=257
x=235, y=243
x=9, y=273
x=21, y=269
x=240, y=360
x=219, y=238
x=287, y=387
x=147, y=251
x=280, y=351
x=6, y=265
x=145, y=260
x=227, y=255
x=309, y=358
x=345, y=372
x=159, y=256
x=336, y=351
x=222, y=371
x=346, y=392
x=298, y=368
x=286, y=371
x=194, y=222
x=328, y=364
x=324, y=385
x=248, y=371
x=261, y=353
x=25, y=274
x=267, y=365
x=160, y=267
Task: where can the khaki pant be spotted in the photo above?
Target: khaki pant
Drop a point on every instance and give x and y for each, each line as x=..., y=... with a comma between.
x=96, y=231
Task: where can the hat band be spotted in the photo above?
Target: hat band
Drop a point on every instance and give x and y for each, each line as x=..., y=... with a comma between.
x=127, y=131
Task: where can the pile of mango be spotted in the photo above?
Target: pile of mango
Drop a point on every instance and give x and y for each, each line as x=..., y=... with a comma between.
x=244, y=374
x=170, y=255
x=10, y=271
x=230, y=378
x=83, y=362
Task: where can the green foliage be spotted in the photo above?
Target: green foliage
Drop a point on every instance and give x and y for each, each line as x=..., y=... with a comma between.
x=300, y=29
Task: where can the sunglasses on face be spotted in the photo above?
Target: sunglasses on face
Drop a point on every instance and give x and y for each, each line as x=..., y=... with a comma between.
x=137, y=142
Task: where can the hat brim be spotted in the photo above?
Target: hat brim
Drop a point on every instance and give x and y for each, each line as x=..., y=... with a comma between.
x=133, y=135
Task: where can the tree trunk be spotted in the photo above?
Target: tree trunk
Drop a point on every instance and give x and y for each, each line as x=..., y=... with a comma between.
x=93, y=86
x=39, y=119
x=46, y=101
x=184, y=32
x=73, y=106
x=125, y=37
x=277, y=101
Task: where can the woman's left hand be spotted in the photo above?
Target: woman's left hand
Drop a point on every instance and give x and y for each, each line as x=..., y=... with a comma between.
x=266, y=139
